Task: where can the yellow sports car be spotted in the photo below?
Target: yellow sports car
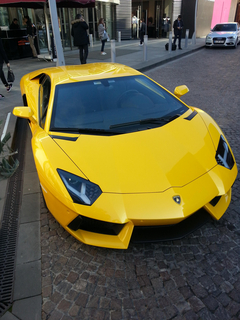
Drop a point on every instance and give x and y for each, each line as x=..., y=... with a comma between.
x=121, y=159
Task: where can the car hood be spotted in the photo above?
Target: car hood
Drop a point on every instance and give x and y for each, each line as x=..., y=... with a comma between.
x=222, y=34
x=145, y=161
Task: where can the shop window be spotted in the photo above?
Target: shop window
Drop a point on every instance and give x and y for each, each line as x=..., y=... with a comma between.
x=4, y=21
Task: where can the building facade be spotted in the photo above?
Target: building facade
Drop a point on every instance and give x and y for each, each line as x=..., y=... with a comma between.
x=124, y=16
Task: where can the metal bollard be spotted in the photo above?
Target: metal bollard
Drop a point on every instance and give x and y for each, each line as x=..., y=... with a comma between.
x=145, y=43
x=91, y=40
x=186, y=37
x=170, y=42
x=113, y=51
x=194, y=38
x=119, y=36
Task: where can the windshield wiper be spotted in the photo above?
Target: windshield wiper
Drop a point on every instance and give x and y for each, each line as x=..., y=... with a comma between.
x=162, y=120
x=86, y=130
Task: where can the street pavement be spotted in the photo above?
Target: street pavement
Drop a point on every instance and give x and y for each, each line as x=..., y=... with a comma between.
x=197, y=277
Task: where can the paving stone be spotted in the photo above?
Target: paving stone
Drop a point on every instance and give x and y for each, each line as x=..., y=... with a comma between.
x=48, y=307
x=8, y=316
x=64, y=305
x=28, y=309
x=196, y=304
x=28, y=280
x=210, y=303
x=28, y=248
x=55, y=315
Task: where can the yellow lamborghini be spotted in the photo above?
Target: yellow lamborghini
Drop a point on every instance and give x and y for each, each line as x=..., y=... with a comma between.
x=120, y=158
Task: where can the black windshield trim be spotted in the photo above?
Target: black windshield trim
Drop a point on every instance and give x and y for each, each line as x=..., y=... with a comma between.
x=64, y=138
x=90, y=131
x=192, y=115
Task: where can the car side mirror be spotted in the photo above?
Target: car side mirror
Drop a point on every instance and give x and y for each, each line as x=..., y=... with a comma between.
x=23, y=112
x=181, y=90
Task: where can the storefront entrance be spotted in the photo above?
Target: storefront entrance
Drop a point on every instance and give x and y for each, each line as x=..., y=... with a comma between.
x=157, y=15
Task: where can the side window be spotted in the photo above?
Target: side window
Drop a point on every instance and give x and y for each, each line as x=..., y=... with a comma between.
x=44, y=95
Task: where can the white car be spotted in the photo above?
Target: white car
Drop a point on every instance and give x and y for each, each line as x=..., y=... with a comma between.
x=224, y=35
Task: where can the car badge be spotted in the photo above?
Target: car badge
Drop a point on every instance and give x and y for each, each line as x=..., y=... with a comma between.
x=177, y=199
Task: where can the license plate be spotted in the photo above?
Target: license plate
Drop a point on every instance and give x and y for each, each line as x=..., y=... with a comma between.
x=218, y=41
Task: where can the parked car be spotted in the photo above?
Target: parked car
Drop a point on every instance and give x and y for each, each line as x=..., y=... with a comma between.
x=120, y=158
x=224, y=35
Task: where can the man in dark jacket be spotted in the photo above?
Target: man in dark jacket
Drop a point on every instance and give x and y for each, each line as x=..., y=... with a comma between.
x=80, y=37
x=177, y=26
x=14, y=25
x=142, y=31
x=3, y=58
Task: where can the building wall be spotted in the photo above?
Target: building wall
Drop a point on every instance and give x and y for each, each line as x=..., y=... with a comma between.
x=209, y=12
x=177, y=8
x=221, y=11
x=123, y=19
x=204, y=17
x=188, y=16
x=232, y=12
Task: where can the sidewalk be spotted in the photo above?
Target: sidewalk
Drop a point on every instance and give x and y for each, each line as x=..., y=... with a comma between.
x=27, y=281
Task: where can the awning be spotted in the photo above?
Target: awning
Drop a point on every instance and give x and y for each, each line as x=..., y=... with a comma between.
x=39, y=3
x=75, y=3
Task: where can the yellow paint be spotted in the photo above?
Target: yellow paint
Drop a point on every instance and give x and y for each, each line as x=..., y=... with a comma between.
x=139, y=173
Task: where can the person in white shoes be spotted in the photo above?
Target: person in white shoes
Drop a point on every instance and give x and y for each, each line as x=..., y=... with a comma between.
x=102, y=33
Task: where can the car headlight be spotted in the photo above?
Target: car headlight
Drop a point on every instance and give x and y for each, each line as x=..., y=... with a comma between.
x=232, y=38
x=209, y=38
x=223, y=155
x=81, y=190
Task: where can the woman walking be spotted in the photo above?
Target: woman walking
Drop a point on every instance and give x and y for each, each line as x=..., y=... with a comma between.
x=3, y=58
x=31, y=34
x=102, y=34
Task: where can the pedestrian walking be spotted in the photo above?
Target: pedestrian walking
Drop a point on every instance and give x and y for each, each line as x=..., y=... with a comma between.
x=142, y=31
x=102, y=33
x=80, y=37
x=177, y=26
x=30, y=34
x=3, y=58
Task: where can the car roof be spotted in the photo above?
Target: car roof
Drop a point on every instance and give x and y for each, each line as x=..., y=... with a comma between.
x=226, y=23
x=85, y=72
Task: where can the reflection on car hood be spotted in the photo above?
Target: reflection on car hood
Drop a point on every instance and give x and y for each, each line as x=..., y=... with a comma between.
x=145, y=161
x=222, y=34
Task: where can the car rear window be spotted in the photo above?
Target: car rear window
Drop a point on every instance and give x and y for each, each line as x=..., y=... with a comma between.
x=101, y=104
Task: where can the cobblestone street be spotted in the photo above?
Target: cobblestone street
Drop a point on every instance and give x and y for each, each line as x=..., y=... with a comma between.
x=197, y=277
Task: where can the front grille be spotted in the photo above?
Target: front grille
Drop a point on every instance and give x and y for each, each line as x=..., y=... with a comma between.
x=96, y=226
x=171, y=232
x=219, y=40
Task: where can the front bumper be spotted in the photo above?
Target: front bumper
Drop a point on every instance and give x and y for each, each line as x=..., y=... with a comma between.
x=114, y=219
x=221, y=42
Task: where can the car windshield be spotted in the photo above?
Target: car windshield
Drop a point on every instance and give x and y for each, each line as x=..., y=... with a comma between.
x=225, y=27
x=113, y=106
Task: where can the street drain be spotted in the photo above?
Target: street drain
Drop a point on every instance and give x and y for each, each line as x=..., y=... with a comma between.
x=9, y=225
